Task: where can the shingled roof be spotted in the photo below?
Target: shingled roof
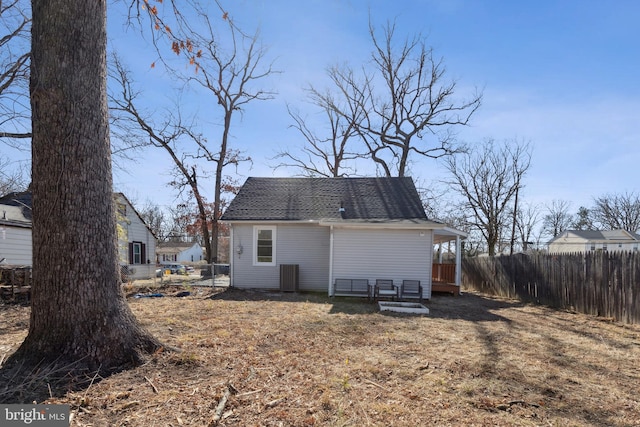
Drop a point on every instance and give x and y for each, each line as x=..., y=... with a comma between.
x=15, y=209
x=299, y=199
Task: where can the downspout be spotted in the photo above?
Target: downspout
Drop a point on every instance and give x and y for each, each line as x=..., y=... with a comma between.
x=330, y=286
x=458, y=260
x=232, y=258
x=150, y=270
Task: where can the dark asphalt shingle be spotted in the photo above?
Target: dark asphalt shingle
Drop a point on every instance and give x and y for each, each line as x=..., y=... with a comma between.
x=297, y=199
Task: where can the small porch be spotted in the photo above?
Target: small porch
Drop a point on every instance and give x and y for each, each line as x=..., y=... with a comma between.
x=446, y=274
x=443, y=279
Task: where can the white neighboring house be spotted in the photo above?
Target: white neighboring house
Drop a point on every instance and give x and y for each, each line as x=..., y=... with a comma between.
x=172, y=252
x=15, y=229
x=136, y=242
x=578, y=241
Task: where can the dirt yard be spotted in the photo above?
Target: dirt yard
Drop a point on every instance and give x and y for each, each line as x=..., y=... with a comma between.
x=305, y=360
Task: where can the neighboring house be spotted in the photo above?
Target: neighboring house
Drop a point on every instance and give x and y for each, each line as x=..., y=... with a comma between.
x=171, y=252
x=15, y=229
x=371, y=228
x=590, y=240
x=136, y=242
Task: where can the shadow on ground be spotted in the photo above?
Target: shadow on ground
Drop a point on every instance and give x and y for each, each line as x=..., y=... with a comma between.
x=468, y=306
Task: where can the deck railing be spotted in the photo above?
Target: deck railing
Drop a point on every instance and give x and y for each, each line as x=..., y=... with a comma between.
x=443, y=273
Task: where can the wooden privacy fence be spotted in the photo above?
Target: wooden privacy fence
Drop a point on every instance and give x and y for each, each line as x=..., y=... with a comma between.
x=597, y=283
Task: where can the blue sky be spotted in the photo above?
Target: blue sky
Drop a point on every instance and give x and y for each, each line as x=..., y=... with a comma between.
x=562, y=75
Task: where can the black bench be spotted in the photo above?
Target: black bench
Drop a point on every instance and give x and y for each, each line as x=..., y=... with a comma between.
x=352, y=288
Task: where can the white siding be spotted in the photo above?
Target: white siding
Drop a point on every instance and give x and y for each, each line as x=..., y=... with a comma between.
x=135, y=230
x=306, y=245
x=383, y=254
x=193, y=254
x=573, y=244
x=568, y=243
x=15, y=245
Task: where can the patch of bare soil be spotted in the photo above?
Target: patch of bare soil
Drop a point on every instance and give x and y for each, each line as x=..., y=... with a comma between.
x=270, y=359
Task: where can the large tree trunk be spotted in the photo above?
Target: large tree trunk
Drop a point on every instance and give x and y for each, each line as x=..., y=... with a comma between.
x=78, y=312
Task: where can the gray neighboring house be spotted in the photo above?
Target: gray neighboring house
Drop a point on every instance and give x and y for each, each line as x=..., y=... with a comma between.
x=373, y=228
x=579, y=241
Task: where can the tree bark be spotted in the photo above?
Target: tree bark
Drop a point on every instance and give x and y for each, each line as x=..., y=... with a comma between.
x=79, y=315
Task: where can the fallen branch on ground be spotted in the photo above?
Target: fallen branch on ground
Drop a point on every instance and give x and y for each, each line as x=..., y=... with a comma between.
x=155, y=390
x=221, y=404
x=505, y=406
x=273, y=403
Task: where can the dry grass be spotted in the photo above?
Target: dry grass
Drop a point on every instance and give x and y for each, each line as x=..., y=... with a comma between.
x=304, y=360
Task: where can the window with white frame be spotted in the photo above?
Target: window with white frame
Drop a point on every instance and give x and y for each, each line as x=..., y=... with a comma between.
x=137, y=253
x=264, y=238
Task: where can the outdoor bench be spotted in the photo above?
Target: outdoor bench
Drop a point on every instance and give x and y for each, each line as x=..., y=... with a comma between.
x=352, y=288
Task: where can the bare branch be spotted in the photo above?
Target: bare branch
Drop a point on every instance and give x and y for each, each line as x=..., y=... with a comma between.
x=225, y=65
x=405, y=106
x=327, y=156
x=618, y=211
x=15, y=29
x=488, y=178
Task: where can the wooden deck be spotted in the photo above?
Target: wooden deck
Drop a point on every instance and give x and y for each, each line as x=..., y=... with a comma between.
x=445, y=288
x=443, y=277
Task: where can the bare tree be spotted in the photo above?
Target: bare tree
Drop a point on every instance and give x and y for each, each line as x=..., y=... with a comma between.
x=156, y=219
x=405, y=106
x=617, y=211
x=328, y=155
x=488, y=178
x=15, y=108
x=180, y=218
x=166, y=134
x=453, y=213
x=557, y=219
x=15, y=28
x=11, y=178
x=228, y=75
x=225, y=67
x=583, y=219
x=80, y=321
x=527, y=219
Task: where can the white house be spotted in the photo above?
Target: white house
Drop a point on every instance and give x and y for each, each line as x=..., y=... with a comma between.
x=136, y=242
x=172, y=252
x=332, y=228
x=590, y=240
x=15, y=229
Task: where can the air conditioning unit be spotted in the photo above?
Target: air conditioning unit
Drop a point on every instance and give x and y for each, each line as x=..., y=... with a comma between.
x=289, y=276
